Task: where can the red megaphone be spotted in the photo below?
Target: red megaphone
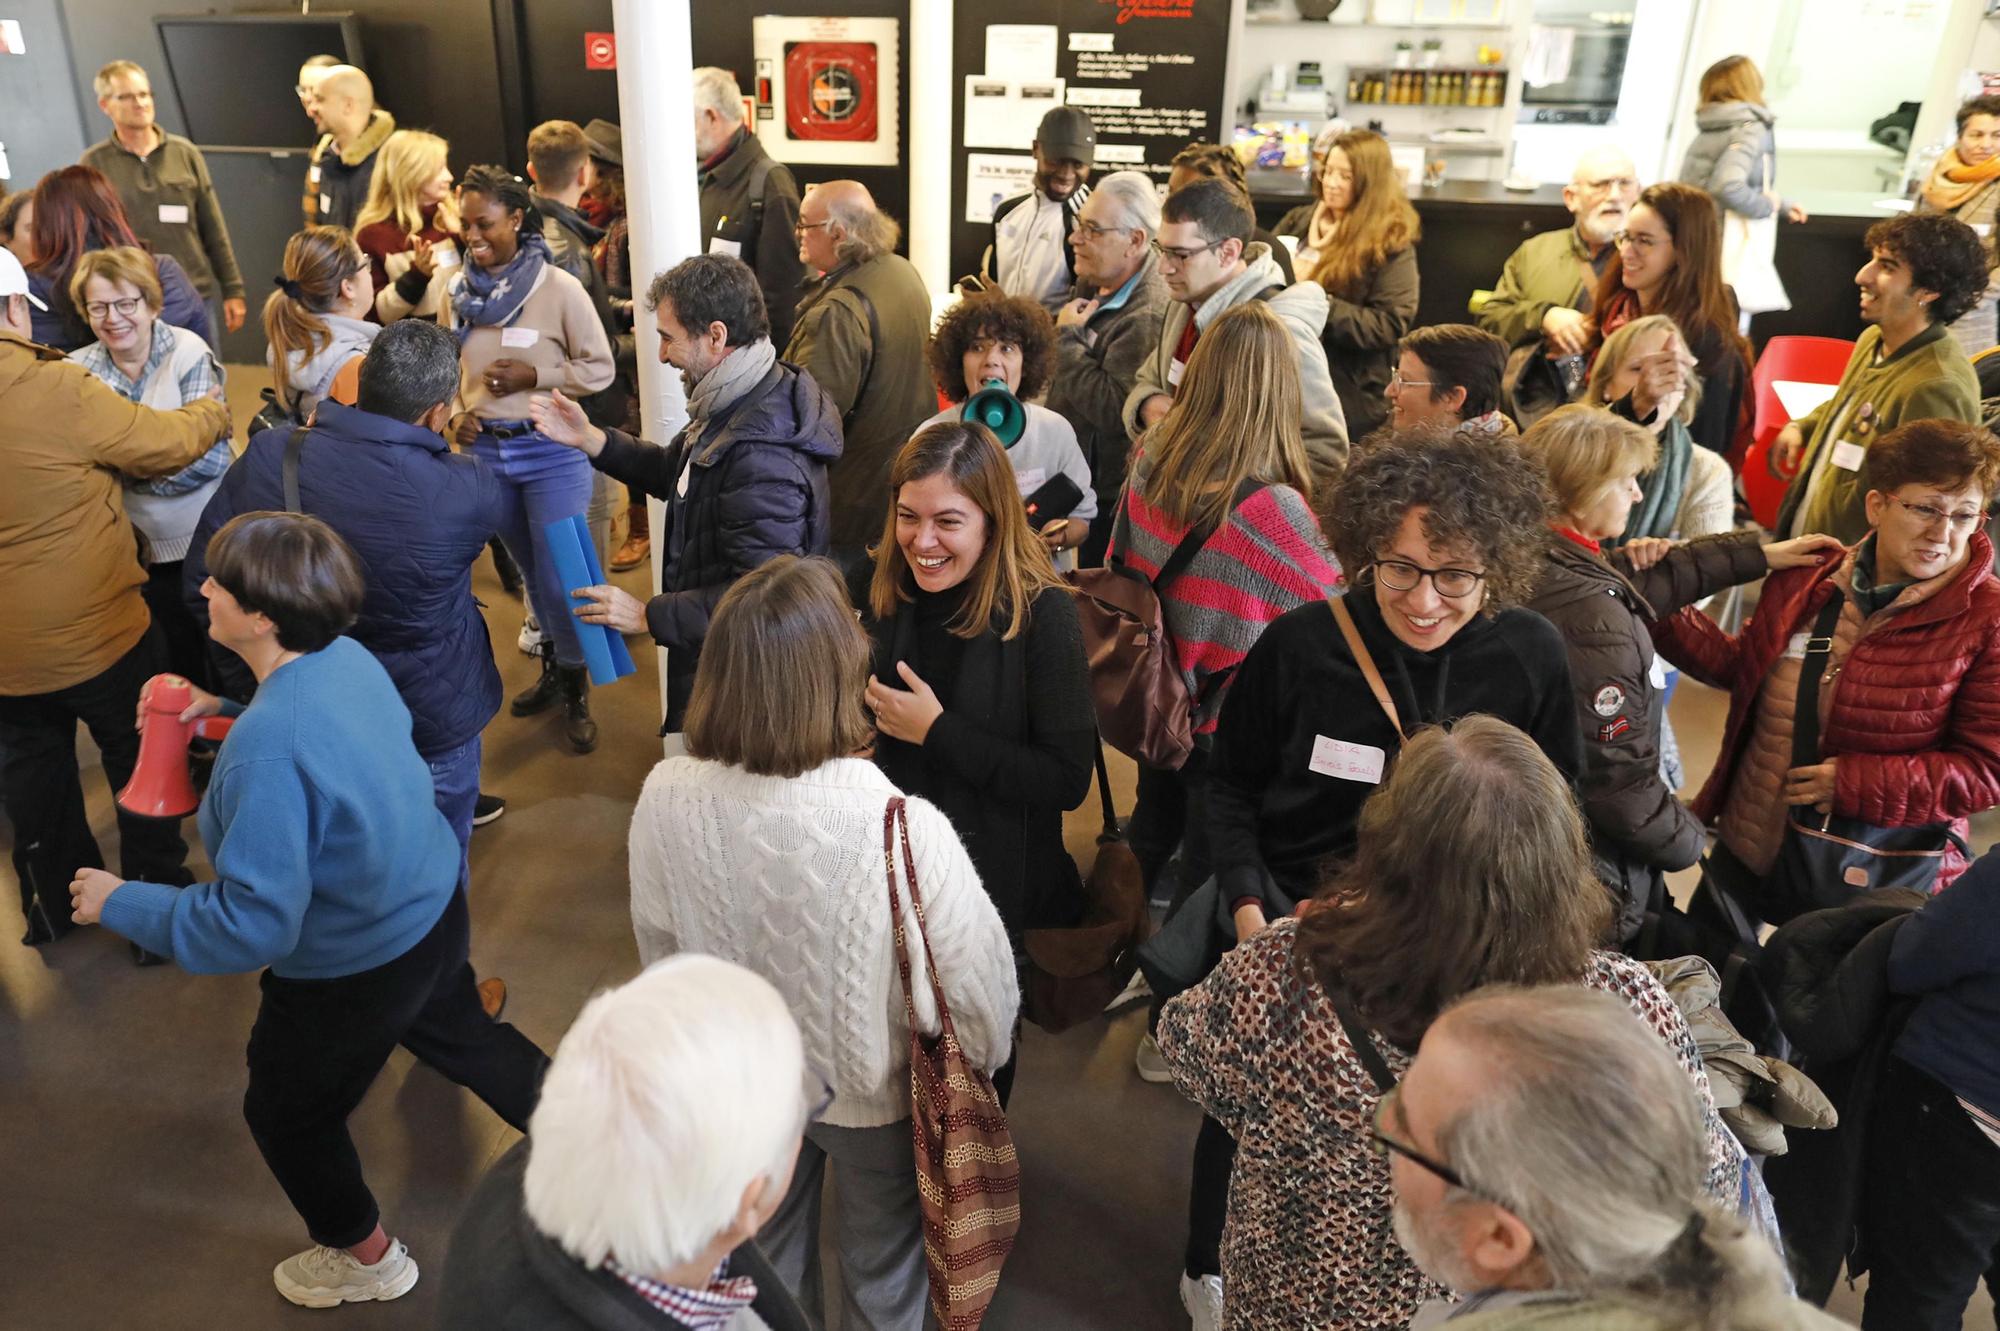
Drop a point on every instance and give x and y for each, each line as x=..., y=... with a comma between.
x=160, y=786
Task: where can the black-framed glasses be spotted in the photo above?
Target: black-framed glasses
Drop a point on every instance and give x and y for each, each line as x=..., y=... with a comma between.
x=1385, y=1144
x=1181, y=256
x=800, y=228
x=125, y=309
x=1928, y=516
x=1400, y=575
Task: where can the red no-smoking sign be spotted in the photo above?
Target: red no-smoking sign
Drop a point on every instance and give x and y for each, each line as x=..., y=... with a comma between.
x=600, y=50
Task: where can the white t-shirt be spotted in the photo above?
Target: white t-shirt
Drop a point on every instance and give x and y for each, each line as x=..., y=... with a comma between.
x=1047, y=446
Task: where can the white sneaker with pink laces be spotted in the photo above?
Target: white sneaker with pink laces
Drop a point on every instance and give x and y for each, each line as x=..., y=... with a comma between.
x=323, y=1277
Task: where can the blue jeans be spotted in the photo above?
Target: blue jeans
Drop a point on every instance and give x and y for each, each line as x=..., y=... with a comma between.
x=543, y=482
x=455, y=784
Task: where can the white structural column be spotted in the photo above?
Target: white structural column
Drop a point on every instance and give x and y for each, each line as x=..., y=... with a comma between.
x=656, y=115
x=930, y=143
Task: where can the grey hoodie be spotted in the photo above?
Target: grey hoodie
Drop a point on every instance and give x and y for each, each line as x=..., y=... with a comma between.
x=1301, y=307
x=309, y=377
x=1728, y=157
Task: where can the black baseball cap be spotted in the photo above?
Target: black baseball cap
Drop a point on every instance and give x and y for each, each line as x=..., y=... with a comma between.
x=1066, y=135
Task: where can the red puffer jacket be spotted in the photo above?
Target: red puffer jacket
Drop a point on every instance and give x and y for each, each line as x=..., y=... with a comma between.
x=1915, y=713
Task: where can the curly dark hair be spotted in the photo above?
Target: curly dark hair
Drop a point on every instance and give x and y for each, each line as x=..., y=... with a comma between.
x=1480, y=491
x=1004, y=318
x=1943, y=255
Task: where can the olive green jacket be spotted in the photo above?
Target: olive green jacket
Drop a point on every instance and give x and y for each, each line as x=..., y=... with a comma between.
x=1547, y=270
x=1584, y=1312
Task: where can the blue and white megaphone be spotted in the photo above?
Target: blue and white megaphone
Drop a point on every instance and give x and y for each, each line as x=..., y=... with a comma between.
x=998, y=410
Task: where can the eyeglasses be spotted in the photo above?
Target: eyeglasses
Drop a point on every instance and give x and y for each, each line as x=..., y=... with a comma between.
x=1091, y=231
x=1928, y=516
x=801, y=228
x=1182, y=256
x=1397, y=381
x=1400, y=575
x=1637, y=240
x=1385, y=1144
x=98, y=309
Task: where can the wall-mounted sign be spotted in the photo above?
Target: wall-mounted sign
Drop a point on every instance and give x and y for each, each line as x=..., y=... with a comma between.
x=600, y=50
x=826, y=89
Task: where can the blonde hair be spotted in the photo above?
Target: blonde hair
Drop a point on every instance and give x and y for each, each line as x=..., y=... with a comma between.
x=408, y=161
x=1379, y=220
x=317, y=260
x=101, y=84
x=1619, y=346
x=121, y=263
x=1734, y=78
x=1014, y=567
x=1585, y=450
x=1236, y=415
x=779, y=686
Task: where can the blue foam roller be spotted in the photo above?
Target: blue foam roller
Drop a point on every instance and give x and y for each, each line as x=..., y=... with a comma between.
x=604, y=650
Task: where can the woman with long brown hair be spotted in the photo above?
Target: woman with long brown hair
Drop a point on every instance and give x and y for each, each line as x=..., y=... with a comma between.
x=1668, y=260
x=980, y=692
x=1227, y=468
x=75, y=211
x=317, y=320
x=1358, y=240
x=1470, y=866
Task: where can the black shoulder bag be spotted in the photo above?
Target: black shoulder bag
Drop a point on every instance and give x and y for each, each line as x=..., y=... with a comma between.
x=1828, y=859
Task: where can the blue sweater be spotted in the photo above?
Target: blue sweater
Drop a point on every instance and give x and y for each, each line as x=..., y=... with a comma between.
x=1948, y=953
x=330, y=855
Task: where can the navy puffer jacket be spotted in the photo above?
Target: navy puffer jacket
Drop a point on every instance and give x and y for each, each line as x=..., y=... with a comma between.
x=756, y=488
x=418, y=515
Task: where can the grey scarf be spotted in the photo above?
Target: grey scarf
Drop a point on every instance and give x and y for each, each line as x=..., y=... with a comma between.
x=737, y=374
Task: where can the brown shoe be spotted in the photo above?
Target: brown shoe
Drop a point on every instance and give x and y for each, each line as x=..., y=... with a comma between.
x=632, y=554
x=492, y=997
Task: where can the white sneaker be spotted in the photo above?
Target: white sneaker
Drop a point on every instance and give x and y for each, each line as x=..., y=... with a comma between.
x=1147, y=1059
x=1203, y=1300
x=1135, y=991
x=531, y=638
x=322, y=1277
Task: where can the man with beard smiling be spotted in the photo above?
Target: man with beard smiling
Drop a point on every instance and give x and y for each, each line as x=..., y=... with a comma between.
x=1545, y=289
x=1924, y=271
x=745, y=480
x=1030, y=253
x=1548, y=1162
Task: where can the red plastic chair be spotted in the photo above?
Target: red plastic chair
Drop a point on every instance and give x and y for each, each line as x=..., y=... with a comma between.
x=1811, y=360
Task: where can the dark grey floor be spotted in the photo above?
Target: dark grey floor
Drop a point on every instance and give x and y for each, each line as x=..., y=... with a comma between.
x=131, y=1196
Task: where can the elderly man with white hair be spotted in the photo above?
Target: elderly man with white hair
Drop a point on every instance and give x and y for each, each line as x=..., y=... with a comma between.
x=1548, y=1159
x=749, y=203
x=668, y=1126
x=862, y=330
x=1105, y=333
x=1546, y=287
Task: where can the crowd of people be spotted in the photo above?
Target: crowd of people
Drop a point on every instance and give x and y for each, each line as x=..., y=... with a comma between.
x=1417, y=588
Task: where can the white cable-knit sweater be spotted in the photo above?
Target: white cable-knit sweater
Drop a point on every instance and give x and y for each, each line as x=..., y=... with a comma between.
x=786, y=876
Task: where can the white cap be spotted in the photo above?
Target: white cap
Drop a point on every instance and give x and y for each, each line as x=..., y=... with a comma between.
x=14, y=280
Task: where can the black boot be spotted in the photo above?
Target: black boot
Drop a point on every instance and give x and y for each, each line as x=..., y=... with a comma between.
x=577, y=725
x=542, y=694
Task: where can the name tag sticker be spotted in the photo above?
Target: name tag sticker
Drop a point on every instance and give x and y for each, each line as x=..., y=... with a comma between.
x=1848, y=455
x=1658, y=674
x=1349, y=762
x=174, y=213
x=1175, y=369
x=1795, y=650
x=732, y=248
x=1030, y=479
x=519, y=337
x=325, y=204
x=444, y=254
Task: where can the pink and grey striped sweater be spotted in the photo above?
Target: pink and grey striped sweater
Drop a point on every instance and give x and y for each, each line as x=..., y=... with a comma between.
x=1268, y=558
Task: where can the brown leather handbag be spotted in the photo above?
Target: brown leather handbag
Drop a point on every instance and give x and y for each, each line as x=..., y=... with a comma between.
x=1143, y=707
x=1074, y=972
x=968, y=1177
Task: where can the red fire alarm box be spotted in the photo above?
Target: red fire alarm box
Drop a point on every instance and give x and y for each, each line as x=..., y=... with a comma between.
x=832, y=91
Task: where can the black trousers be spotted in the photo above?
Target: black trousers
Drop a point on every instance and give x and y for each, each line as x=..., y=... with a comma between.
x=318, y=1045
x=1208, y=1197
x=184, y=640
x=44, y=791
x=1169, y=813
x=1930, y=1208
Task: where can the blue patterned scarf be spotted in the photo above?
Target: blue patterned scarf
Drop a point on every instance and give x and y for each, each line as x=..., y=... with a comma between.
x=483, y=299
